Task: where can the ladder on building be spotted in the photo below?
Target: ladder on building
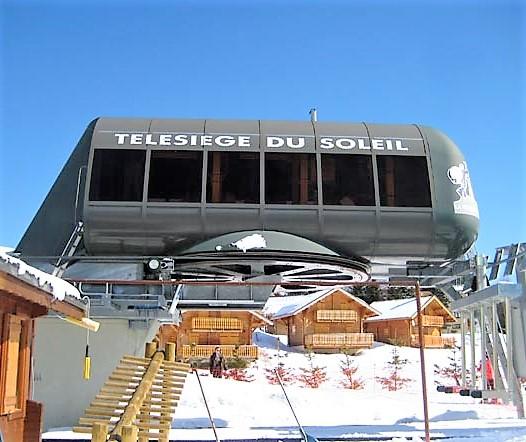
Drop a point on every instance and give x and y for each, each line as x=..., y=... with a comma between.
x=69, y=249
x=140, y=396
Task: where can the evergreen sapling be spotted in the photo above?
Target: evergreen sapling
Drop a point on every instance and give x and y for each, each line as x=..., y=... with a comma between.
x=394, y=381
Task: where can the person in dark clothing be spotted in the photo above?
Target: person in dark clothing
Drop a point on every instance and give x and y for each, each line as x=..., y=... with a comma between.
x=217, y=363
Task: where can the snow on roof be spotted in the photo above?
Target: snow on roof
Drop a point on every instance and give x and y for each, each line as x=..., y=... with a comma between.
x=282, y=306
x=37, y=278
x=398, y=308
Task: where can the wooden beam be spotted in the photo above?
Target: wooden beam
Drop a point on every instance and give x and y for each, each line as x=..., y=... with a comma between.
x=20, y=289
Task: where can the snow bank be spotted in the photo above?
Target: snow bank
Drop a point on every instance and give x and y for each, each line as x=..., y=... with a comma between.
x=257, y=410
x=49, y=283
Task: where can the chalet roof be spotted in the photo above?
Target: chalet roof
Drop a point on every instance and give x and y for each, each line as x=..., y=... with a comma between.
x=261, y=317
x=53, y=285
x=403, y=308
x=28, y=284
x=278, y=307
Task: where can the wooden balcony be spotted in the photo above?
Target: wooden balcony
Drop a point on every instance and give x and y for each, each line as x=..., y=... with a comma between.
x=216, y=324
x=229, y=351
x=336, y=316
x=339, y=340
x=433, y=341
x=432, y=321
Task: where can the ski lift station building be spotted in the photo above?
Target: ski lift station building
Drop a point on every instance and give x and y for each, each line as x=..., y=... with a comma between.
x=146, y=187
x=231, y=200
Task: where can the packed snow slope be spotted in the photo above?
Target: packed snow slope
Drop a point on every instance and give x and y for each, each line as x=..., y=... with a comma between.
x=257, y=409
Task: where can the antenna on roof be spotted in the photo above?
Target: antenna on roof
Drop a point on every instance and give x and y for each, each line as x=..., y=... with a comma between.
x=313, y=115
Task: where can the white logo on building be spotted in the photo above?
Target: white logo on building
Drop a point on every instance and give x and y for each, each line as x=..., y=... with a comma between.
x=466, y=204
x=254, y=241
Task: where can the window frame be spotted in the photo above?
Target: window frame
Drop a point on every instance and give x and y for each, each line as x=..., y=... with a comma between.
x=382, y=193
x=92, y=180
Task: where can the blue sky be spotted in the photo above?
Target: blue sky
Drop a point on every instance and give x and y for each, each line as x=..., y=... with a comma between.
x=456, y=65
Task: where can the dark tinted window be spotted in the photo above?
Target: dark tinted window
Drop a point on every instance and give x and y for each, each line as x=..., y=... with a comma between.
x=117, y=175
x=175, y=176
x=347, y=180
x=233, y=177
x=290, y=178
x=404, y=181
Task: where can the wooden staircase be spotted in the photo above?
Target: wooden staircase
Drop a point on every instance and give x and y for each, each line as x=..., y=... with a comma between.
x=141, y=393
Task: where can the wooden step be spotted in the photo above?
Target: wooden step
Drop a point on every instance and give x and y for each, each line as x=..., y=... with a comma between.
x=96, y=411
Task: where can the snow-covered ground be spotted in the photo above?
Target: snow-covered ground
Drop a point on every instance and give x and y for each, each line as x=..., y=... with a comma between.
x=257, y=409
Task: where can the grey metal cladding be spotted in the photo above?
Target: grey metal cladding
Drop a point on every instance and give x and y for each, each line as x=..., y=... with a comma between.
x=142, y=227
x=223, y=132
x=292, y=132
x=454, y=228
x=106, y=128
x=409, y=135
x=325, y=129
x=339, y=131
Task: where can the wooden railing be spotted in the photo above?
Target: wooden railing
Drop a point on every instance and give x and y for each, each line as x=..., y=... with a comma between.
x=217, y=324
x=336, y=316
x=339, y=340
x=433, y=341
x=229, y=351
x=138, y=399
x=432, y=321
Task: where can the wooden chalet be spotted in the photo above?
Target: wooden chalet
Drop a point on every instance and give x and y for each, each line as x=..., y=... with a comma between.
x=200, y=331
x=325, y=321
x=397, y=322
x=25, y=294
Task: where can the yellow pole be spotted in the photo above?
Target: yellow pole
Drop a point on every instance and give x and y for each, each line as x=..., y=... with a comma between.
x=129, y=433
x=169, y=352
x=169, y=356
x=99, y=432
x=150, y=349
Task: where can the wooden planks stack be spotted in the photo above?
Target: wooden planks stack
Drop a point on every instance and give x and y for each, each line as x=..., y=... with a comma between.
x=141, y=392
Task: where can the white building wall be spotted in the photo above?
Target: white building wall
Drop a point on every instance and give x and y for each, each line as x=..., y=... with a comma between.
x=58, y=362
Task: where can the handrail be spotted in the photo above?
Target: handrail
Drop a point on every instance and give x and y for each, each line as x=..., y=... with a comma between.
x=138, y=397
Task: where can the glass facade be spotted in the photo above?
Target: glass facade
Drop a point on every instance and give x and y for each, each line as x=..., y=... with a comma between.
x=403, y=181
x=234, y=178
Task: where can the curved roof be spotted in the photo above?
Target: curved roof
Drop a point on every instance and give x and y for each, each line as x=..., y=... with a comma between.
x=262, y=240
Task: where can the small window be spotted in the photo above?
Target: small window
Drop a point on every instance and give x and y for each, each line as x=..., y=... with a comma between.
x=233, y=177
x=175, y=176
x=290, y=178
x=117, y=175
x=404, y=181
x=347, y=180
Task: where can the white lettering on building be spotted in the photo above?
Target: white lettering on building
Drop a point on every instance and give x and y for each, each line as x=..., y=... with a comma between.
x=271, y=141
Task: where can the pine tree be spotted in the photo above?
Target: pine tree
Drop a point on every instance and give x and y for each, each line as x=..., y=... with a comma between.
x=394, y=381
x=349, y=369
x=312, y=376
x=453, y=371
x=367, y=293
x=286, y=374
x=238, y=374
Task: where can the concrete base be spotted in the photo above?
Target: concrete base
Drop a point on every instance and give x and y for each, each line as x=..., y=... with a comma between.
x=58, y=364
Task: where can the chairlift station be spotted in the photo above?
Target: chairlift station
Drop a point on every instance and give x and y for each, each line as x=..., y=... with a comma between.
x=317, y=201
x=152, y=216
